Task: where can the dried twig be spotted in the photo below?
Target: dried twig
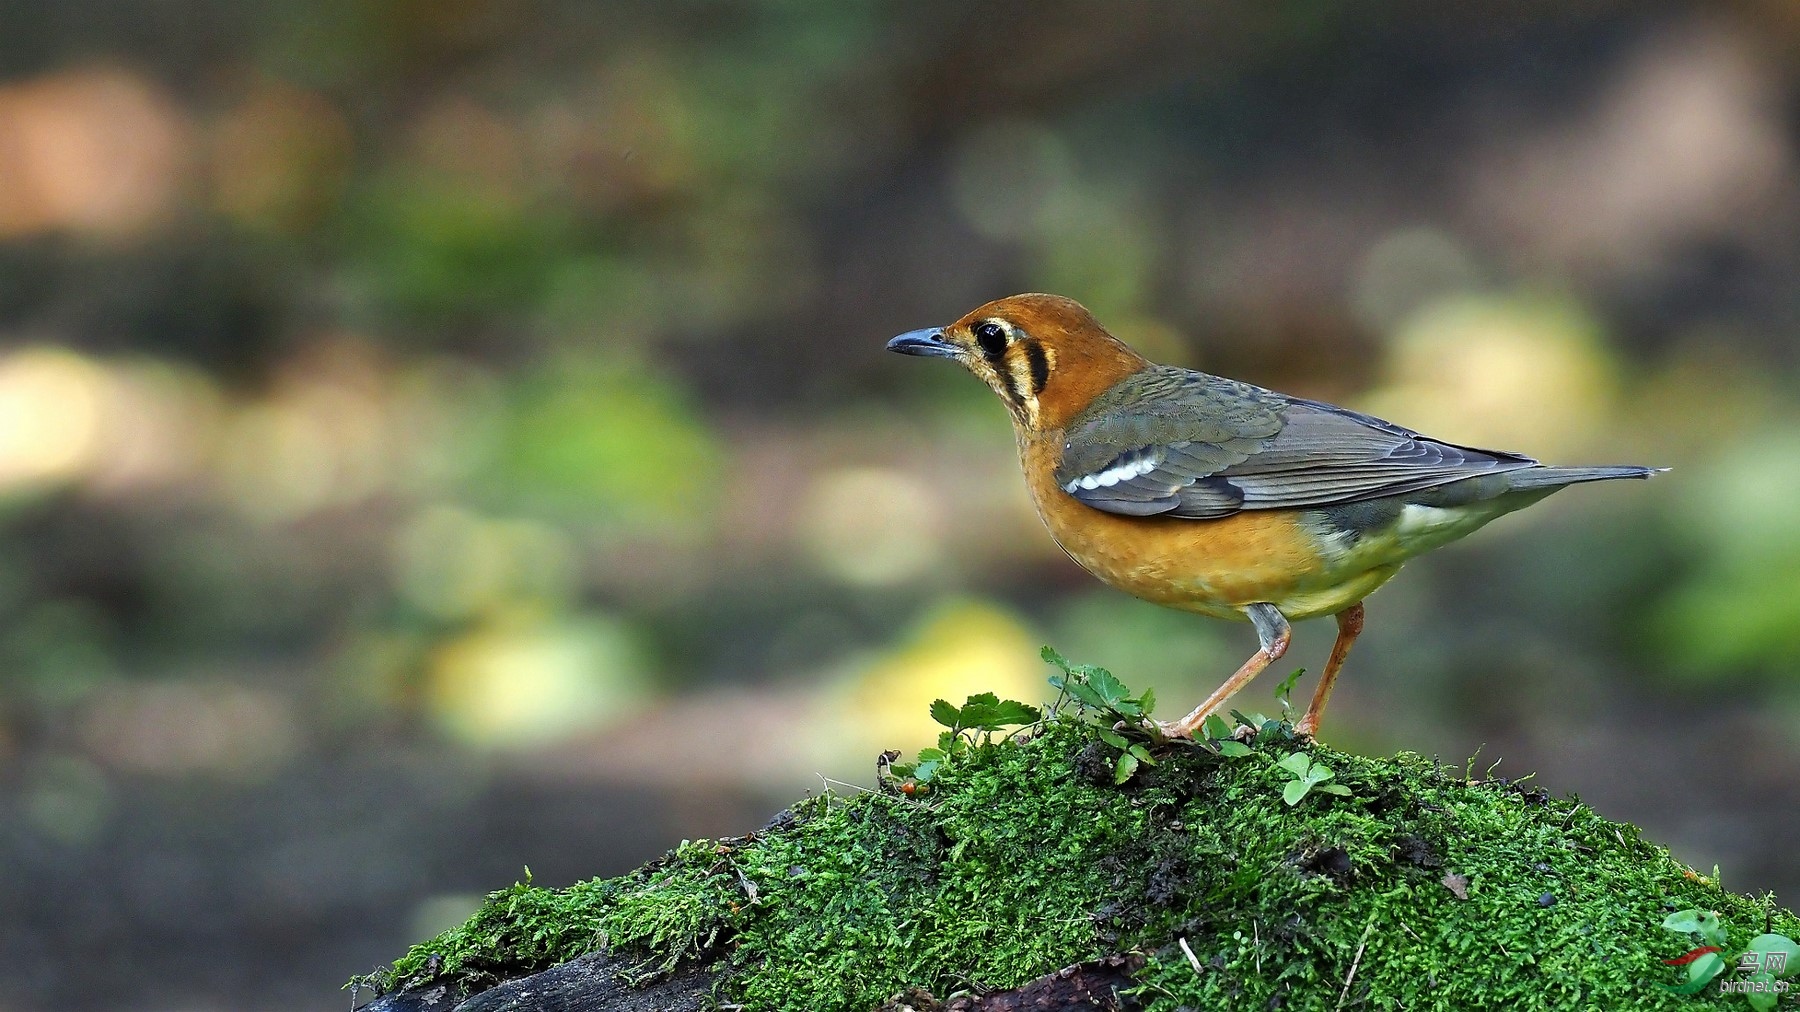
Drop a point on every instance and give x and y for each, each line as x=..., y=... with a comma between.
x=1355, y=962
x=1193, y=960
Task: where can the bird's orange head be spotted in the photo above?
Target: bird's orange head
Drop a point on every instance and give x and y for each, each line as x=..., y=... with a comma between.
x=1046, y=356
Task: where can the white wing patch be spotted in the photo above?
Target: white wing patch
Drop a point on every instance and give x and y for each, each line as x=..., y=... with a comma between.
x=1128, y=467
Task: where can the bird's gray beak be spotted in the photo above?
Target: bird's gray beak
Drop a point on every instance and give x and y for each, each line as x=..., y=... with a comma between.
x=930, y=341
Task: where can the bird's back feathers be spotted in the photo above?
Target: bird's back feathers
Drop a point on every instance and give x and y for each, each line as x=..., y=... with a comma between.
x=1181, y=443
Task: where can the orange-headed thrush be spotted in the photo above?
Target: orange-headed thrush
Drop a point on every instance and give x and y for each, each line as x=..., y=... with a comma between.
x=1213, y=496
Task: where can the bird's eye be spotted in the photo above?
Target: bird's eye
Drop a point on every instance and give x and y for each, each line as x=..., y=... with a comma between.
x=992, y=338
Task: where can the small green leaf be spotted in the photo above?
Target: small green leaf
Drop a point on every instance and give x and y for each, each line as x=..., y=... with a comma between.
x=1296, y=763
x=902, y=770
x=984, y=710
x=1233, y=749
x=1128, y=765
x=1216, y=728
x=1286, y=688
x=1255, y=720
x=1113, y=738
x=1294, y=791
x=1143, y=754
x=1147, y=701
x=927, y=754
x=1684, y=920
x=1011, y=711
x=1766, y=944
x=944, y=713
x=978, y=715
x=1318, y=774
x=1110, y=689
x=1714, y=933
x=1082, y=692
x=1086, y=693
x=1338, y=789
x=1704, y=923
x=1762, y=1001
x=1706, y=968
x=925, y=771
x=1050, y=656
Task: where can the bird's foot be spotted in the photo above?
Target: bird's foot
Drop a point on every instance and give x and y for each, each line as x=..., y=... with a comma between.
x=1165, y=730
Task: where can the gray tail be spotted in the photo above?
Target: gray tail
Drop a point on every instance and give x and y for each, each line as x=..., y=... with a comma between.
x=1557, y=477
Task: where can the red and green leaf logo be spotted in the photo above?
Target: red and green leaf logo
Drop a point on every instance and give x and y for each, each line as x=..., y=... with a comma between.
x=1760, y=967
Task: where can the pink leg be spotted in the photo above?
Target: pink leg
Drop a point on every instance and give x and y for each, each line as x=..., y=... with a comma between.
x=1350, y=623
x=1275, y=635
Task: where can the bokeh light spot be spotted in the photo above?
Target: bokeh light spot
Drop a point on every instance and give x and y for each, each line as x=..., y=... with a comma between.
x=961, y=647
x=51, y=402
x=527, y=679
x=873, y=526
x=1520, y=371
x=454, y=564
x=96, y=150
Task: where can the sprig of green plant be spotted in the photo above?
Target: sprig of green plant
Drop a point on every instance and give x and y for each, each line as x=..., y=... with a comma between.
x=968, y=726
x=983, y=711
x=1308, y=776
x=1124, y=717
x=1768, y=955
x=1251, y=729
x=1100, y=691
x=1286, y=689
x=1217, y=735
x=1097, y=689
x=1132, y=754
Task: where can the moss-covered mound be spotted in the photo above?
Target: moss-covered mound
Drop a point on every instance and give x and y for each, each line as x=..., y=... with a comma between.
x=1417, y=889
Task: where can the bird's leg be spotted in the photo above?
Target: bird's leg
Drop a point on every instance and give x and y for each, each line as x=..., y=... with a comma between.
x=1274, y=633
x=1350, y=623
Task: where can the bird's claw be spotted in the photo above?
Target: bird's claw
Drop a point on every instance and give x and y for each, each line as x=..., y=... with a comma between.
x=1161, y=731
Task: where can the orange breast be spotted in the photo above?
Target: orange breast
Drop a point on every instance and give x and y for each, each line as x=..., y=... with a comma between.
x=1214, y=567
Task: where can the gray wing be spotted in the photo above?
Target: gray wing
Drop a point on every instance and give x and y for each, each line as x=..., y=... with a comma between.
x=1179, y=443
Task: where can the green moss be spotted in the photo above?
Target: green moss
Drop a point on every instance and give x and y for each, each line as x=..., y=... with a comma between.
x=672, y=909
x=1024, y=858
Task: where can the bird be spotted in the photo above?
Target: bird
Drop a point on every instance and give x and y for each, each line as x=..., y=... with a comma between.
x=1219, y=497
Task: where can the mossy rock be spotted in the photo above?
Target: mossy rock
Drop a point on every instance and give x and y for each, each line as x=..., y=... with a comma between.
x=1419, y=889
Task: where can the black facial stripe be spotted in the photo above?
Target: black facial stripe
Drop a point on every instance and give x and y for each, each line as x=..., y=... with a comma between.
x=1040, y=366
x=1010, y=385
x=1010, y=381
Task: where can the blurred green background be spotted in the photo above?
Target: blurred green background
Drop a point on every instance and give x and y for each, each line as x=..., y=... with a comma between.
x=440, y=438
